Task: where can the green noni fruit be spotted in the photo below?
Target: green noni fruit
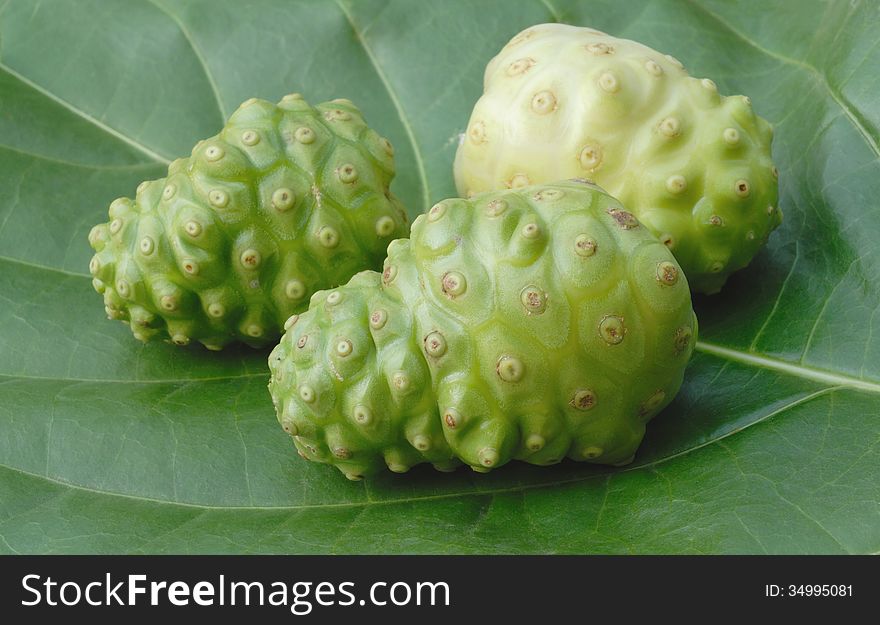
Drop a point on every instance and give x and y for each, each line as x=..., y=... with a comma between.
x=286, y=200
x=533, y=324
x=561, y=101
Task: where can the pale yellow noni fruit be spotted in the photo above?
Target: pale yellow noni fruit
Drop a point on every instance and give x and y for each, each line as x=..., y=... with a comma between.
x=566, y=102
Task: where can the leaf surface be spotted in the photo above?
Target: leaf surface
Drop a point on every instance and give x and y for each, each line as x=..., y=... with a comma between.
x=110, y=446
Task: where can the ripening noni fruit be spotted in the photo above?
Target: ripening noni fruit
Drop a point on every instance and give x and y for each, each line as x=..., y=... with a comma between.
x=533, y=324
x=694, y=166
x=286, y=200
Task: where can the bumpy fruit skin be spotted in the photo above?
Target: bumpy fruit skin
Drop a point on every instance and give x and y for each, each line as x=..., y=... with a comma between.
x=533, y=324
x=561, y=101
x=286, y=200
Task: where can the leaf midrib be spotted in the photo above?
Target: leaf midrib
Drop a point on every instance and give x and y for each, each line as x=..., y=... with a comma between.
x=782, y=366
x=155, y=156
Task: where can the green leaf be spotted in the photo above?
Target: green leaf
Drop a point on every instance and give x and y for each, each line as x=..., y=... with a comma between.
x=110, y=446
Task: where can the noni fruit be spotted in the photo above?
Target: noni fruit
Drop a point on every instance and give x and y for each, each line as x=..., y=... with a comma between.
x=537, y=324
x=286, y=200
x=561, y=101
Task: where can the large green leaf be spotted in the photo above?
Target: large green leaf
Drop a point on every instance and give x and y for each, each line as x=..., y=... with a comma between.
x=110, y=446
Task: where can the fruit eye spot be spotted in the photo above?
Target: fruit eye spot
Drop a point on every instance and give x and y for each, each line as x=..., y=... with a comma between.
x=583, y=399
x=676, y=184
x=437, y=211
x=214, y=153
x=520, y=66
x=611, y=329
x=510, y=369
x=347, y=173
x=343, y=348
x=585, y=245
x=307, y=394
x=653, y=68
x=218, y=198
x=378, y=318
x=453, y=284
x=362, y=414
x=384, y=226
x=400, y=380
x=518, y=180
x=533, y=299
x=477, y=133
x=652, y=403
x=592, y=452
x=451, y=418
x=535, y=442
x=250, y=259
x=590, y=157
x=304, y=135
x=488, y=457
x=328, y=237
x=147, y=246
x=388, y=274
x=624, y=219
x=435, y=344
x=599, y=48
x=682, y=339
x=544, y=102
x=731, y=136
x=336, y=115
x=496, y=207
x=609, y=83
x=122, y=288
x=283, y=199
x=670, y=127
x=667, y=273
x=548, y=195
x=250, y=137
x=531, y=231
x=294, y=289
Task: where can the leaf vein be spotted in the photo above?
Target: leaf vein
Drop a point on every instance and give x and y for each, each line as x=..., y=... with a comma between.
x=392, y=94
x=781, y=366
x=199, y=56
x=89, y=118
